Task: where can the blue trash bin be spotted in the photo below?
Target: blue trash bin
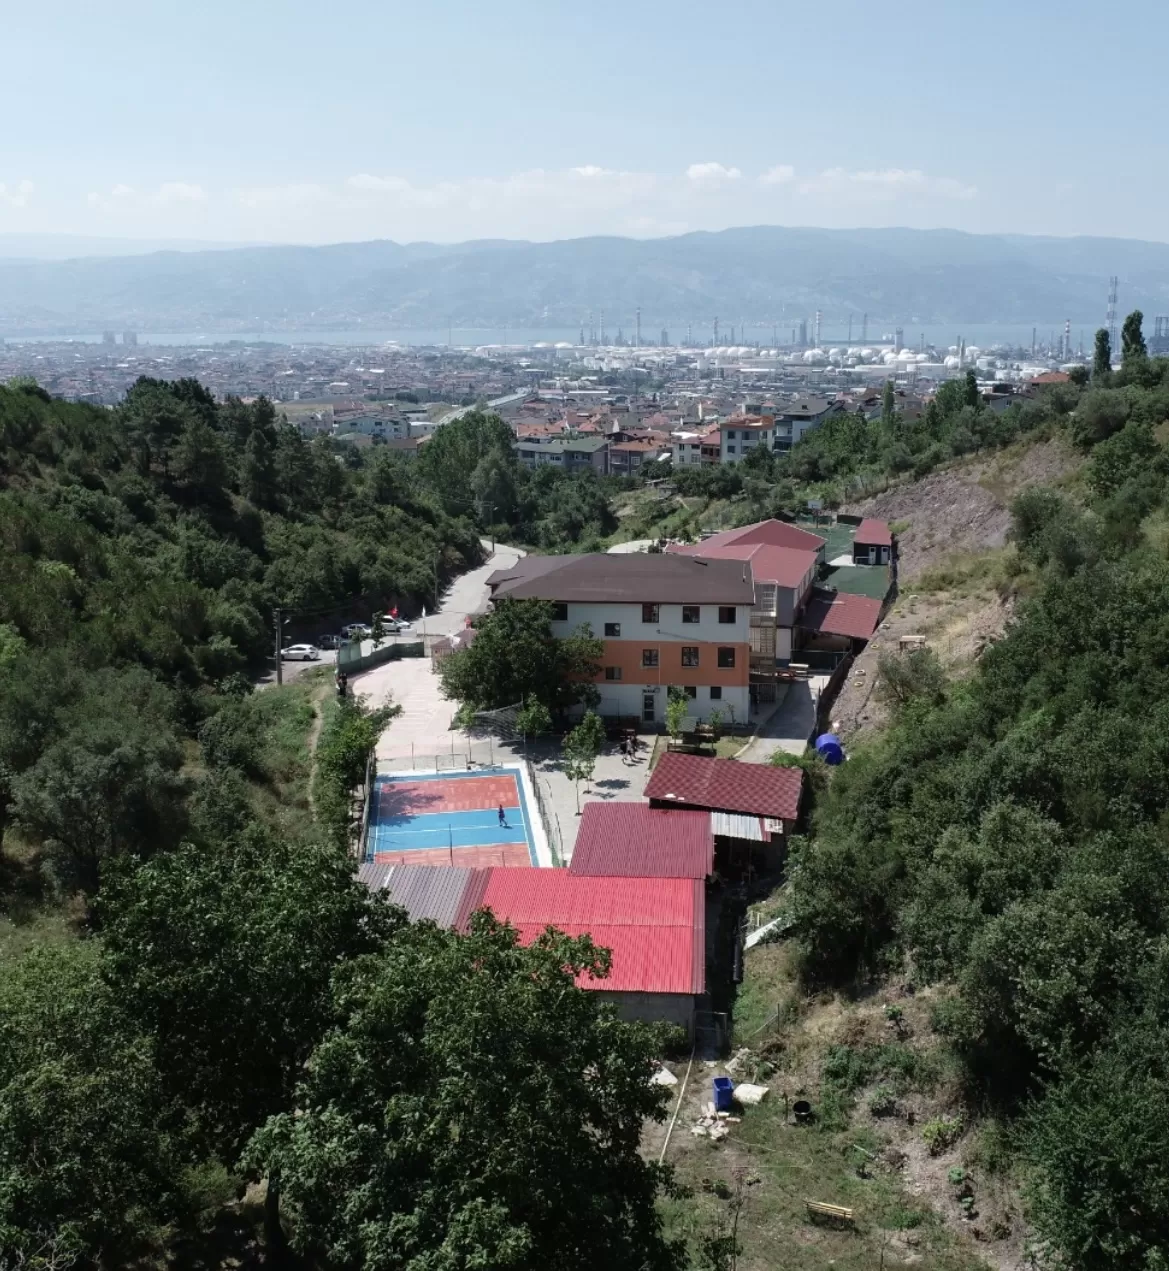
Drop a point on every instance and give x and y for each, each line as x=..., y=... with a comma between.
x=724, y=1092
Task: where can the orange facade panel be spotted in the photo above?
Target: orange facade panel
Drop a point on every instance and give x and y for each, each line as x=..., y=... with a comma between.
x=628, y=657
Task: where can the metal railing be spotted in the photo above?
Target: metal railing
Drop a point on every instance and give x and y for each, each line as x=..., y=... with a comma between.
x=549, y=820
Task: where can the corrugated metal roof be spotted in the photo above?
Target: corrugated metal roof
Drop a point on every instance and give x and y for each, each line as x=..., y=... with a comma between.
x=842, y=614
x=439, y=893
x=655, y=927
x=635, y=840
x=373, y=875
x=727, y=785
x=738, y=825
x=871, y=531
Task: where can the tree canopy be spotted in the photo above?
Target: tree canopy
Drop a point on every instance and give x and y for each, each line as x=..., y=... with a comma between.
x=515, y=658
x=472, y=1108
x=1006, y=836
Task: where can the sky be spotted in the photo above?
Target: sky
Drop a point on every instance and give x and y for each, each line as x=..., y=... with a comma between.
x=443, y=120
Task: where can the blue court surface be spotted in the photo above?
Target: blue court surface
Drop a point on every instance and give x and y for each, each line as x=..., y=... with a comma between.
x=450, y=819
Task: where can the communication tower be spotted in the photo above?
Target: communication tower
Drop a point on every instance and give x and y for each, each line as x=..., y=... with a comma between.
x=638, y=336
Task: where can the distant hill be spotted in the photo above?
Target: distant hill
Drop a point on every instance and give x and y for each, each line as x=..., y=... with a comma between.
x=764, y=274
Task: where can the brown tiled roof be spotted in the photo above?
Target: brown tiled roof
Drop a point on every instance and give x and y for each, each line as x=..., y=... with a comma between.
x=652, y=578
x=726, y=785
x=874, y=532
x=842, y=614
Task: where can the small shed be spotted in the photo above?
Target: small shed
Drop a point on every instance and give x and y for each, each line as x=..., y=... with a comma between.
x=873, y=543
x=753, y=806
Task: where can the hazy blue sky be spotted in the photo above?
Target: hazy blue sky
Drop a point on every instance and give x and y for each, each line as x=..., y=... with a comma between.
x=306, y=121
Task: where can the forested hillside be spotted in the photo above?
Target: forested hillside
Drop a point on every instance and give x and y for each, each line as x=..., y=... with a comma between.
x=142, y=551
x=1006, y=837
x=185, y=965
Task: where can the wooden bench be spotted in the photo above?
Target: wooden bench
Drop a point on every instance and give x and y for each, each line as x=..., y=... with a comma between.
x=833, y=1213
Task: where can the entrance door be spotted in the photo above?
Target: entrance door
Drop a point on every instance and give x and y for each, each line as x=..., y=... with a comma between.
x=648, y=708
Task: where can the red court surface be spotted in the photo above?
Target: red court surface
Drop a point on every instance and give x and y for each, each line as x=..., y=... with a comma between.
x=503, y=854
x=450, y=820
x=452, y=794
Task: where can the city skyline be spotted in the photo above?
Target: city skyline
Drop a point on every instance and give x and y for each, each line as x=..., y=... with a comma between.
x=458, y=122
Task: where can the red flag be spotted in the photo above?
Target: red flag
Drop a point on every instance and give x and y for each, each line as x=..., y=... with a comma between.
x=394, y=612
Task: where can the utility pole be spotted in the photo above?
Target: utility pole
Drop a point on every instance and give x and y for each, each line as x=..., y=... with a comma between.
x=278, y=622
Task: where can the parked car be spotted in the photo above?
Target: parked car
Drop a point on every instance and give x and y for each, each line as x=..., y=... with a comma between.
x=357, y=631
x=332, y=641
x=301, y=653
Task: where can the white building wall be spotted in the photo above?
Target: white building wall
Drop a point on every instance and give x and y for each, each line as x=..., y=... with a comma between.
x=621, y=697
x=668, y=628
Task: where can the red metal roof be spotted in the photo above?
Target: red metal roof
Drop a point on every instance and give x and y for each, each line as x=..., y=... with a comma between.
x=635, y=840
x=774, y=533
x=727, y=785
x=786, y=566
x=842, y=614
x=655, y=927
x=874, y=532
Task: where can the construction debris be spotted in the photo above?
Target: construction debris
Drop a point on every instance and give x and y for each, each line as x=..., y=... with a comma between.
x=663, y=1077
x=749, y=1095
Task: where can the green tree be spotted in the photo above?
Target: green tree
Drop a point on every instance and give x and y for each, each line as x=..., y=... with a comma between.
x=915, y=676
x=474, y=1108
x=225, y=957
x=344, y=750
x=1102, y=357
x=258, y=470
x=534, y=718
x=677, y=708
x=888, y=405
x=92, y=1147
x=971, y=396
x=580, y=749
x=199, y=461
x=1132, y=341
x=451, y=458
x=1099, y=1187
x=515, y=658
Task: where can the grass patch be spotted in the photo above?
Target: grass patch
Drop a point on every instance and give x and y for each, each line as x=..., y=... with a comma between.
x=724, y=748
x=966, y=573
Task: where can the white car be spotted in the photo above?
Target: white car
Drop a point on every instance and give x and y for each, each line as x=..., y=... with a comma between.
x=394, y=626
x=301, y=653
x=357, y=631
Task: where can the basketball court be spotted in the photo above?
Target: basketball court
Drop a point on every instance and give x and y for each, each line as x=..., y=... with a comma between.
x=452, y=818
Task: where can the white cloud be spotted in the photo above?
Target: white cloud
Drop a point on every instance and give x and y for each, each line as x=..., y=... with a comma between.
x=781, y=174
x=711, y=173
x=16, y=196
x=178, y=192
x=297, y=194
x=122, y=191
x=887, y=183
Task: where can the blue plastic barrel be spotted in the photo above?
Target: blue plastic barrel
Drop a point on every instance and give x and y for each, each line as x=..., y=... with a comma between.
x=724, y=1091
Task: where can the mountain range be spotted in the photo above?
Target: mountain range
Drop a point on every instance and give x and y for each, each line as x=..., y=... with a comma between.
x=762, y=274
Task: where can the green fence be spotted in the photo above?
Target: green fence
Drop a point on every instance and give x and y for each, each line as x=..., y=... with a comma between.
x=351, y=660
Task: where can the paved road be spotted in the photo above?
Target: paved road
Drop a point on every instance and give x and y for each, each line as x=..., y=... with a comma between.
x=423, y=728
x=790, y=725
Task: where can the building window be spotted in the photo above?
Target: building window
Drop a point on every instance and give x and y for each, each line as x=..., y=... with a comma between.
x=726, y=613
x=691, y=613
x=716, y=693
x=726, y=657
x=649, y=657
x=730, y=434
x=559, y=611
x=612, y=672
x=613, y=630
x=690, y=655
x=649, y=613
x=690, y=691
x=730, y=450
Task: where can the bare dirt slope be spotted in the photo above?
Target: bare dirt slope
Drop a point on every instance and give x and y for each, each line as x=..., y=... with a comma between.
x=966, y=507
x=949, y=519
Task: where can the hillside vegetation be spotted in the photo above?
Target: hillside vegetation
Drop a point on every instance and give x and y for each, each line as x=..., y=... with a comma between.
x=1004, y=841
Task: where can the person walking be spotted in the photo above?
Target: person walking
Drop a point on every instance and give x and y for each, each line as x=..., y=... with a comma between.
x=502, y=815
